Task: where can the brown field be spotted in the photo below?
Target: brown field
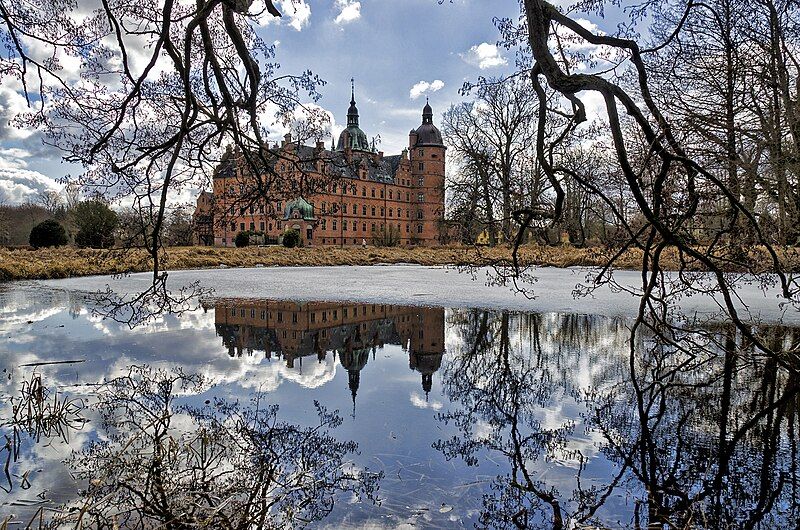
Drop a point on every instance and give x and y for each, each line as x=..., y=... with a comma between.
x=65, y=262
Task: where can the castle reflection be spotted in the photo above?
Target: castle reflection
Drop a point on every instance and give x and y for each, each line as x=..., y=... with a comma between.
x=292, y=331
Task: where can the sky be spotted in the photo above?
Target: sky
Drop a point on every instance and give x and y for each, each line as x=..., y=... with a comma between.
x=398, y=52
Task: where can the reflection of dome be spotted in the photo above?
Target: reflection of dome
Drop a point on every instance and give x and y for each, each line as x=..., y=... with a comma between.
x=427, y=133
x=426, y=364
x=353, y=137
x=302, y=207
x=354, y=361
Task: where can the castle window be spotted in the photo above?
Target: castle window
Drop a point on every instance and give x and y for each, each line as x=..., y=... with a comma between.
x=280, y=316
x=344, y=225
x=252, y=226
x=373, y=227
x=324, y=206
x=372, y=190
x=398, y=213
x=263, y=315
x=419, y=229
x=261, y=226
x=261, y=208
x=241, y=313
x=241, y=210
x=252, y=313
x=363, y=191
x=421, y=181
x=373, y=211
x=408, y=197
x=324, y=224
x=363, y=227
x=420, y=197
x=294, y=318
x=390, y=194
x=334, y=227
x=233, y=312
x=408, y=228
x=241, y=227
x=434, y=155
x=421, y=166
x=420, y=152
x=391, y=212
x=419, y=214
x=344, y=208
x=354, y=190
x=233, y=227
x=252, y=209
x=383, y=212
x=381, y=193
x=314, y=315
x=364, y=209
x=279, y=225
x=270, y=227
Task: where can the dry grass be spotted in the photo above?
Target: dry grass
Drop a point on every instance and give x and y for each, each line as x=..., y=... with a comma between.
x=24, y=264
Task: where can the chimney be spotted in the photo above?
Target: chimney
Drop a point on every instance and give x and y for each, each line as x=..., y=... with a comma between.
x=320, y=145
x=287, y=139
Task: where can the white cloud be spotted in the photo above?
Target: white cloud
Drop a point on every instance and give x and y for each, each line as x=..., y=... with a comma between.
x=484, y=55
x=297, y=11
x=348, y=11
x=424, y=87
x=19, y=185
x=308, y=120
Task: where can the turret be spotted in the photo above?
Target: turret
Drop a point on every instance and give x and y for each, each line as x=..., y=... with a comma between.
x=427, y=155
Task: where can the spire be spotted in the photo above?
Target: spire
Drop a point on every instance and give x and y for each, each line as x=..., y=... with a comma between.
x=353, y=379
x=427, y=112
x=352, y=112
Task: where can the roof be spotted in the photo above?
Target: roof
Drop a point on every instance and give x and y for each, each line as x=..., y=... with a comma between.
x=302, y=207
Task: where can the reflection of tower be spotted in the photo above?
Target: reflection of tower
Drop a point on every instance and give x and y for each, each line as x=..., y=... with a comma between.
x=354, y=361
x=426, y=347
x=426, y=364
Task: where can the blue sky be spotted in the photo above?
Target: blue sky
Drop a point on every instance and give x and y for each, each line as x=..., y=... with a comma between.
x=389, y=47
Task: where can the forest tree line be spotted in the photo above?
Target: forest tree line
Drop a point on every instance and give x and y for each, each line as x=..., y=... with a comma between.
x=727, y=82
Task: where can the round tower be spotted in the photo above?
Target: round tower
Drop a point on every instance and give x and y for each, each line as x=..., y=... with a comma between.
x=427, y=157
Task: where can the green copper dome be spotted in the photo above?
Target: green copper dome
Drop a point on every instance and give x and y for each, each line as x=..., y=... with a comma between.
x=302, y=207
x=353, y=137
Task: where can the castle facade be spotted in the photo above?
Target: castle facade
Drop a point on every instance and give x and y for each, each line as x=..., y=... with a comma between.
x=367, y=197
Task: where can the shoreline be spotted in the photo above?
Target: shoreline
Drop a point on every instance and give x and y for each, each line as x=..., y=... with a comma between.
x=69, y=262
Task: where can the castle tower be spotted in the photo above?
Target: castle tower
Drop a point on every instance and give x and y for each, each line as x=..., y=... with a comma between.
x=427, y=156
x=352, y=138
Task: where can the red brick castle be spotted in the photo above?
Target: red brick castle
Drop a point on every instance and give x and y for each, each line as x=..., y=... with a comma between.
x=367, y=196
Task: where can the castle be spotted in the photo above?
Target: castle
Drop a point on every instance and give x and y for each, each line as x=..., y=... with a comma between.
x=368, y=196
x=293, y=331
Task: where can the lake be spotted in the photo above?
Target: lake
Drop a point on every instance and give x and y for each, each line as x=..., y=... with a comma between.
x=390, y=397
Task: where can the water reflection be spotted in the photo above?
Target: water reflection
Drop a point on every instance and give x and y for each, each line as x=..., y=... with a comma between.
x=292, y=331
x=695, y=433
x=487, y=418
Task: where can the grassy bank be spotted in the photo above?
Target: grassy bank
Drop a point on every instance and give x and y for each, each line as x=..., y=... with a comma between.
x=23, y=264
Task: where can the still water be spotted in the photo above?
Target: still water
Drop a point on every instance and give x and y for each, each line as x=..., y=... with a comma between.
x=271, y=414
